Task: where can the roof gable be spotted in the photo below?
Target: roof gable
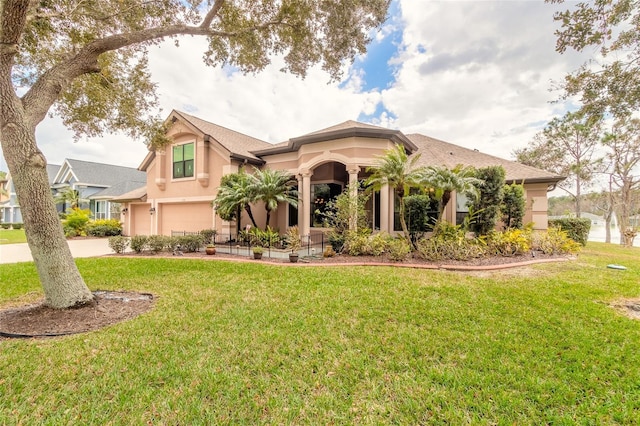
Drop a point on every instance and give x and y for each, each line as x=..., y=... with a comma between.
x=238, y=144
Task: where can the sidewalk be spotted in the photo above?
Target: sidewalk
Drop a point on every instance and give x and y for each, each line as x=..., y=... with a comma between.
x=13, y=253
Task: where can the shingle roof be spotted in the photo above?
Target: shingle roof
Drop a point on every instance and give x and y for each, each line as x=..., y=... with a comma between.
x=346, y=125
x=434, y=152
x=100, y=174
x=52, y=171
x=118, y=189
x=138, y=194
x=235, y=142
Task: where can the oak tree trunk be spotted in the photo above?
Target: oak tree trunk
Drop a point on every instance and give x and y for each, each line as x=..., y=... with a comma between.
x=61, y=281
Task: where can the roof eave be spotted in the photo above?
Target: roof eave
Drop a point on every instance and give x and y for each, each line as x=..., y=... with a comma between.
x=246, y=159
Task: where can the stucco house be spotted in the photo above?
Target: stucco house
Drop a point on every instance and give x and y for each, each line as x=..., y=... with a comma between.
x=97, y=184
x=183, y=178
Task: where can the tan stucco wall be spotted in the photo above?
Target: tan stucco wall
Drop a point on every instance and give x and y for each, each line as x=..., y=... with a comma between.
x=536, y=205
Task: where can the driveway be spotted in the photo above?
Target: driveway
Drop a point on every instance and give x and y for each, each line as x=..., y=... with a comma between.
x=13, y=253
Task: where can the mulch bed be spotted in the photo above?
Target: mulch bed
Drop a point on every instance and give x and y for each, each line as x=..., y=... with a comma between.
x=38, y=321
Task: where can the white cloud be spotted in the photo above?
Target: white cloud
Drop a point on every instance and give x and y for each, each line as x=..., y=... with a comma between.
x=473, y=73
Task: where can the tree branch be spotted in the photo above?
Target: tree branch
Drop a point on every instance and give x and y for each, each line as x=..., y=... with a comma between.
x=46, y=90
x=208, y=19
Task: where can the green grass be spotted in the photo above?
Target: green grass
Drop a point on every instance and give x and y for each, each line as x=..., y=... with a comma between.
x=259, y=344
x=12, y=236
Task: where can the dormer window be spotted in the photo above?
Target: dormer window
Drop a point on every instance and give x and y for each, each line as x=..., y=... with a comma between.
x=183, y=160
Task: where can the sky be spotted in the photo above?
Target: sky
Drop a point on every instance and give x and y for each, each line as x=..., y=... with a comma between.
x=475, y=73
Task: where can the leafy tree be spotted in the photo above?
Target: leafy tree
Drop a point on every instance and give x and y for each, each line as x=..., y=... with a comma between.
x=487, y=198
x=87, y=62
x=401, y=173
x=341, y=210
x=445, y=181
x=273, y=187
x=513, y=206
x=235, y=194
x=70, y=196
x=419, y=214
x=567, y=147
x=611, y=84
x=623, y=144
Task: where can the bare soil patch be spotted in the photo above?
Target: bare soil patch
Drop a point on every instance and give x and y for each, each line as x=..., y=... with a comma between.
x=37, y=320
x=629, y=307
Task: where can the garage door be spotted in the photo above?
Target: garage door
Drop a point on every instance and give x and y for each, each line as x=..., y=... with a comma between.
x=190, y=217
x=141, y=224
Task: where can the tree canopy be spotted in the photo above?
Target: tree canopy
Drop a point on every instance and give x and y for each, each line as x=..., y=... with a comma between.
x=611, y=82
x=86, y=61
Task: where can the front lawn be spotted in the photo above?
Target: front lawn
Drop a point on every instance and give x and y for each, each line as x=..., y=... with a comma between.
x=250, y=343
x=12, y=236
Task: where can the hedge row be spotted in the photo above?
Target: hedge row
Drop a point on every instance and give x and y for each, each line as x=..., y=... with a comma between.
x=576, y=228
x=17, y=225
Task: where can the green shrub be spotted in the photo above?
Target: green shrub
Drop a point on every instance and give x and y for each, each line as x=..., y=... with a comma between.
x=378, y=243
x=420, y=214
x=512, y=242
x=258, y=237
x=489, y=198
x=209, y=235
x=576, y=228
x=554, y=241
x=336, y=240
x=118, y=243
x=172, y=243
x=156, y=243
x=139, y=243
x=513, y=206
x=398, y=249
x=77, y=220
x=104, y=228
x=449, y=242
x=16, y=225
x=357, y=244
x=5, y=225
x=190, y=243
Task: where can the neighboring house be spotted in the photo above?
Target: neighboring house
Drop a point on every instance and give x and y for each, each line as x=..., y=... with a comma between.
x=96, y=183
x=183, y=178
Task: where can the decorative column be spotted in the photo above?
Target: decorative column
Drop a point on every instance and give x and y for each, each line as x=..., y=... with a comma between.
x=300, y=203
x=161, y=169
x=384, y=209
x=353, y=171
x=305, y=224
x=202, y=157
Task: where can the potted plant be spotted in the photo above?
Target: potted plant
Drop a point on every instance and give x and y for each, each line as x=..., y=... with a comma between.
x=210, y=249
x=294, y=241
x=257, y=252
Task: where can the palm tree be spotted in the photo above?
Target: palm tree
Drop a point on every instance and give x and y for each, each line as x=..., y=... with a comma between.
x=70, y=196
x=444, y=181
x=273, y=187
x=400, y=172
x=234, y=195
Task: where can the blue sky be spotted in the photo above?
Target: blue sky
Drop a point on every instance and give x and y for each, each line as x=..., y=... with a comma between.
x=474, y=73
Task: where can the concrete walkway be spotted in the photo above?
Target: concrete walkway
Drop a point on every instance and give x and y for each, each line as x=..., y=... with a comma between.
x=13, y=253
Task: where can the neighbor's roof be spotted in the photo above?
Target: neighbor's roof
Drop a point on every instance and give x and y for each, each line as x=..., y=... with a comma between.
x=98, y=174
x=118, y=189
x=346, y=129
x=235, y=142
x=434, y=152
x=52, y=171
